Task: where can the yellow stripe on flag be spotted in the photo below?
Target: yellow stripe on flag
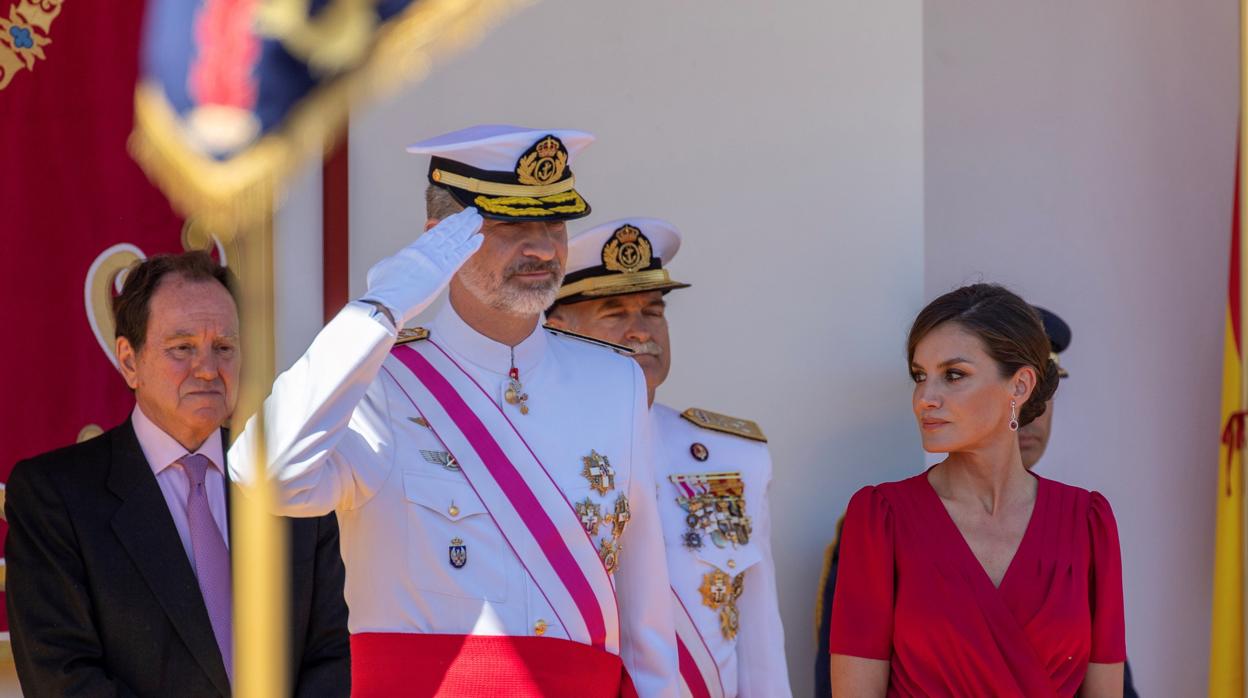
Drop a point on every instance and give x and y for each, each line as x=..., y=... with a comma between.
x=1226, y=652
x=1226, y=663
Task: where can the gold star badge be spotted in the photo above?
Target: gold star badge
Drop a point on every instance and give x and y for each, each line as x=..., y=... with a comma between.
x=599, y=472
x=590, y=515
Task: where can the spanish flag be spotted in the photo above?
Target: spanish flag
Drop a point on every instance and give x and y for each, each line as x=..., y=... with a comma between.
x=1226, y=663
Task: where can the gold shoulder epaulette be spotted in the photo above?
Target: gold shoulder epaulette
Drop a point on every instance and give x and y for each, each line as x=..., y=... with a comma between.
x=722, y=422
x=614, y=347
x=407, y=335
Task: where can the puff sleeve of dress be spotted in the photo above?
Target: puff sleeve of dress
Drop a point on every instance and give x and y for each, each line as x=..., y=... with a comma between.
x=1109, y=645
x=862, y=606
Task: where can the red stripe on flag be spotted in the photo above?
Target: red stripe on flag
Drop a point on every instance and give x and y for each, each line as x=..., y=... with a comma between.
x=1233, y=291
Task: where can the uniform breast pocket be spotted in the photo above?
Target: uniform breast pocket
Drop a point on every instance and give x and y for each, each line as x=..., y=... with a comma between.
x=734, y=561
x=734, y=564
x=454, y=547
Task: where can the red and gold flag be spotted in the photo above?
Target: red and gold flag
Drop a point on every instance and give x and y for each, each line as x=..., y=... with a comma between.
x=1226, y=649
x=1226, y=663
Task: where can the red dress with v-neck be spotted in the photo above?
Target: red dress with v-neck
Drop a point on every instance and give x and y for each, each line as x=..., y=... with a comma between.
x=910, y=591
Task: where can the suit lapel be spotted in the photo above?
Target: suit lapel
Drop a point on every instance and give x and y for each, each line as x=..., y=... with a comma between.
x=225, y=474
x=147, y=532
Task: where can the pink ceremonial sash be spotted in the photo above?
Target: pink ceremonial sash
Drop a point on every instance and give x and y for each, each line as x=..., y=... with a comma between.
x=699, y=674
x=529, y=509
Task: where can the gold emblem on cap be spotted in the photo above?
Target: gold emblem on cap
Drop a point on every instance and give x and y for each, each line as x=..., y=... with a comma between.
x=544, y=163
x=627, y=251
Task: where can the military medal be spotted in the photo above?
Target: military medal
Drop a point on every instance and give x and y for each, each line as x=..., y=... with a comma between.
x=599, y=472
x=601, y=477
x=714, y=505
x=720, y=592
x=620, y=517
x=514, y=394
x=590, y=515
x=699, y=452
x=609, y=551
x=458, y=553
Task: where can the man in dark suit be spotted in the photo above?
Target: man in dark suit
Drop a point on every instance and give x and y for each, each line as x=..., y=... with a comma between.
x=117, y=553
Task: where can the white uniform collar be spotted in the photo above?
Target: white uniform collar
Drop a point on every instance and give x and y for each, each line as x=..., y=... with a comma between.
x=448, y=329
x=162, y=450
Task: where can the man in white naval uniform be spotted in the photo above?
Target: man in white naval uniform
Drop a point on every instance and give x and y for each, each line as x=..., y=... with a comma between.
x=713, y=471
x=456, y=456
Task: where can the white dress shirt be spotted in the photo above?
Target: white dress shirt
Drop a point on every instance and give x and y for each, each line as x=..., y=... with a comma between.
x=342, y=436
x=163, y=452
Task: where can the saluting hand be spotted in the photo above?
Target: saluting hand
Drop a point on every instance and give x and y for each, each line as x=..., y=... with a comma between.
x=407, y=282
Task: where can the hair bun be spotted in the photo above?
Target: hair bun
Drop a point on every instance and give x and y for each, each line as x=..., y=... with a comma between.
x=1046, y=386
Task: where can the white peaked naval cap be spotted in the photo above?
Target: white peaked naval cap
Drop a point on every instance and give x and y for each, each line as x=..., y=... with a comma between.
x=509, y=172
x=620, y=257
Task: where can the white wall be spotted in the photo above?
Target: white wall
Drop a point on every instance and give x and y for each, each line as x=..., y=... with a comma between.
x=297, y=247
x=785, y=140
x=1083, y=154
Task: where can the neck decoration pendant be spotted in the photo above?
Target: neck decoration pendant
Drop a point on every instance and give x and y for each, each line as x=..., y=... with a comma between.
x=515, y=395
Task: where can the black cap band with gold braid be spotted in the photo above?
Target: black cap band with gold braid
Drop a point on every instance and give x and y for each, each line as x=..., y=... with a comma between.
x=628, y=266
x=541, y=187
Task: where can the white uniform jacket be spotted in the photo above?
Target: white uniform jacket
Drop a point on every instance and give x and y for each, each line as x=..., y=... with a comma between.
x=751, y=664
x=341, y=437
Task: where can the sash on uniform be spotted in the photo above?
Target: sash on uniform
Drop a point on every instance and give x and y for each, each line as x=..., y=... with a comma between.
x=529, y=509
x=699, y=673
x=384, y=665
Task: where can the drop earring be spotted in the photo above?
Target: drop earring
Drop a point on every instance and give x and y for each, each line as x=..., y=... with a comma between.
x=1013, y=416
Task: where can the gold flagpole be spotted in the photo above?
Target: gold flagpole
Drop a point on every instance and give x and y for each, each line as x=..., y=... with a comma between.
x=259, y=541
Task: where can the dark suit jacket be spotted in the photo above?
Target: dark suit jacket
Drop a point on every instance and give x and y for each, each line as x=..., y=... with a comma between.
x=103, y=601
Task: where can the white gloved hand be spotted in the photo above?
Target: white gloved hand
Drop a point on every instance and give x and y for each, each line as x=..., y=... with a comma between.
x=407, y=282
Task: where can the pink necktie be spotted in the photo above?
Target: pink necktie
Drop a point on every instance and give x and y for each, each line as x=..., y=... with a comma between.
x=212, y=558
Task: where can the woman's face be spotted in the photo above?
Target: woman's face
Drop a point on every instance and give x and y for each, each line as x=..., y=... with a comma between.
x=960, y=400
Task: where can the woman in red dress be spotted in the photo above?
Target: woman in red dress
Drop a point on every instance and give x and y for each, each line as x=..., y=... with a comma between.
x=977, y=577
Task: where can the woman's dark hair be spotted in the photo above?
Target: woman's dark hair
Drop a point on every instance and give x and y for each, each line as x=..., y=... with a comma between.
x=132, y=306
x=1010, y=329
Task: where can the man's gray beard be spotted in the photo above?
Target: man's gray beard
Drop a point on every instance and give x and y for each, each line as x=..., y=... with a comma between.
x=509, y=296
